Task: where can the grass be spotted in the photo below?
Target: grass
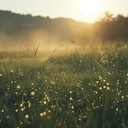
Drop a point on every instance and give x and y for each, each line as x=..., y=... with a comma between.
x=80, y=90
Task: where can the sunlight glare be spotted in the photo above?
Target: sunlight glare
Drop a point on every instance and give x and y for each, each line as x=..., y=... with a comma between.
x=90, y=9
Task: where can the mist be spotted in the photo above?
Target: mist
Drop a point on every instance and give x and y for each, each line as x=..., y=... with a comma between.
x=29, y=41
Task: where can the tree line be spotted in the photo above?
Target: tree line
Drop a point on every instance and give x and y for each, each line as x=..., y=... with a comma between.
x=111, y=28
x=107, y=28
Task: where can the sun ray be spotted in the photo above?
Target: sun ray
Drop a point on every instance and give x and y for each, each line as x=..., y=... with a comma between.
x=90, y=9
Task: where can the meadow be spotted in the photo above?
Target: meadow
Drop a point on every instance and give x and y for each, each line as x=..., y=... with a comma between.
x=87, y=88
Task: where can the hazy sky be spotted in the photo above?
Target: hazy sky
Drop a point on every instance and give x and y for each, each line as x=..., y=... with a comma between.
x=81, y=10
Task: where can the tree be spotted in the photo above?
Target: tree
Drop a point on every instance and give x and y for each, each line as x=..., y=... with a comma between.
x=107, y=17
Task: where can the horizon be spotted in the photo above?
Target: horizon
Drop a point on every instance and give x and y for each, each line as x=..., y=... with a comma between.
x=79, y=10
x=18, y=13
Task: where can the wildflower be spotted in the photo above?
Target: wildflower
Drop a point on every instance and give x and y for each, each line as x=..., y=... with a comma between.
x=118, y=93
x=29, y=123
x=21, y=123
x=2, y=110
x=26, y=116
x=109, y=73
x=32, y=93
x=41, y=114
x=44, y=113
x=122, y=97
x=47, y=67
x=107, y=83
x=48, y=98
x=70, y=98
x=45, y=102
x=100, y=77
x=117, y=109
x=24, y=94
x=11, y=82
x=7, y=116
x=108, y=88
x=16, y=93
x=92, y=104
x=97, y=82
x=72, y=107
x=18, y=87
x=104, y=87
x=16, y=110
x=104, y=80
x=21, y=105
x=49, y=111
x=100, y=88
x=29, y=104
x=22, y=109
x=11, y=70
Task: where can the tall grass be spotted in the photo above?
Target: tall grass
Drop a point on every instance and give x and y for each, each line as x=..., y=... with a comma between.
x=78, y=91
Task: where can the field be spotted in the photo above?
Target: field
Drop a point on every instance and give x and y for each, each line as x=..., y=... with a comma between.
x=87, y=89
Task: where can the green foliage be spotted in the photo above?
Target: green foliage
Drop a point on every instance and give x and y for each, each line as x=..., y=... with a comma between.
x=77, y=91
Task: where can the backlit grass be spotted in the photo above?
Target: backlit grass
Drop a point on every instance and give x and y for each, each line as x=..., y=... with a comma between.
x=77, y=91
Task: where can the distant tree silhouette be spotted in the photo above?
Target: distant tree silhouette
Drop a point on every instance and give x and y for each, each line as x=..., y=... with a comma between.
x=110, y=28
x=15, y=24
x=107, y=17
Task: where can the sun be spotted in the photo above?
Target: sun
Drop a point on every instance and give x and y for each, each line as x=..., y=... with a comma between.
x=90, y=9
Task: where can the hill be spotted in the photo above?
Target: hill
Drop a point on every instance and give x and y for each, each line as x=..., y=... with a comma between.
x=16, y=25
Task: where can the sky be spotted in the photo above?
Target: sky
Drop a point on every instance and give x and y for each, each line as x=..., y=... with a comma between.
x=80, y=10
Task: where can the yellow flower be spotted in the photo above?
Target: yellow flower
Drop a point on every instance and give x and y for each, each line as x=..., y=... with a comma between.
x=18, y=87
x=26, y=116
x=72, y=107
x=117, y=109
x=70, y=98
x=16, y=110
x=108, y=88
x=45, y=102
x=2, y=110
x=11, y=70
x=21, y=123
x=21, y=105
x=44, y=113
x=32, y=93
x=49, y=111
x=29, y=104
x=41, y=114
x=22, y=109
x=122, y=97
